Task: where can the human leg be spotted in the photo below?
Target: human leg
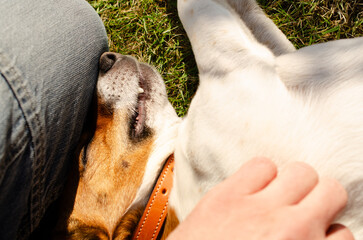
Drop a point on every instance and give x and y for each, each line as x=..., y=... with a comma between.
x=49, y=54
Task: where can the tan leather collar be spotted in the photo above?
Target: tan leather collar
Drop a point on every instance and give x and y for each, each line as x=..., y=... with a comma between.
x=157, y=207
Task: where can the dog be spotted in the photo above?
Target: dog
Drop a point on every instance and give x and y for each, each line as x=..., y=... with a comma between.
x=258, y=96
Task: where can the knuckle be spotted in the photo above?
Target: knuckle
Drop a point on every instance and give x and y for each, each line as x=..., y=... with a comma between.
x=336, y=189
x=264, y=162
x=304, y=168
x=302, y=171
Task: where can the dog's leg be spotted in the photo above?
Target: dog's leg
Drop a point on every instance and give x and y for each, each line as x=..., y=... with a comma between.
x=263, y=28
x=322, y=67
x=239, y=89
x=221, y=41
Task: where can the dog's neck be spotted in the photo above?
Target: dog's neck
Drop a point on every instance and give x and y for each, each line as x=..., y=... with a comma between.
x=155, y=213
x=164, y=147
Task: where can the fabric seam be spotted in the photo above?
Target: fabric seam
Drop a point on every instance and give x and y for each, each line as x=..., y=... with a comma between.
x=31, y=115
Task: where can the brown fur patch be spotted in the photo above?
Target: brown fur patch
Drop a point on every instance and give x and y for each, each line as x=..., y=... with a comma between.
x=111, y=168
x=128, y=224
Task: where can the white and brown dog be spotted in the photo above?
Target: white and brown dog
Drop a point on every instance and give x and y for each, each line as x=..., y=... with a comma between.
x=257, y=96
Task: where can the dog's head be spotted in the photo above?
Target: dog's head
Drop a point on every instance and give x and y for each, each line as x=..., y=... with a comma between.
x=135, y=131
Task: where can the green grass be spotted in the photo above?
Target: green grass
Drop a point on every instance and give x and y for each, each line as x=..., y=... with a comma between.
x=308, y=22
x=151, y=31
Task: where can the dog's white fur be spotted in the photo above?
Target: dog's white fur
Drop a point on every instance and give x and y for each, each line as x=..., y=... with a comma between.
x=258, y=96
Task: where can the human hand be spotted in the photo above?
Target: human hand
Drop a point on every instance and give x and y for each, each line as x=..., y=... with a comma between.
x=257, y=204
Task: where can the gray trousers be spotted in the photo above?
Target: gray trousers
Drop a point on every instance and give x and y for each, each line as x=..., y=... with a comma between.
x=49, y=51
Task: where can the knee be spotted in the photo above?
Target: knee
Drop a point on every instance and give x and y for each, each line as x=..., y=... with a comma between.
x=50, y=29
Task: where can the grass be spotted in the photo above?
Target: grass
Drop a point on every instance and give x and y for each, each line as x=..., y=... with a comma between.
x=151, y=31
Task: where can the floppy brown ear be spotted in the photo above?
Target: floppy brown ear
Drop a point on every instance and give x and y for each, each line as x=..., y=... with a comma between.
x=128, y=223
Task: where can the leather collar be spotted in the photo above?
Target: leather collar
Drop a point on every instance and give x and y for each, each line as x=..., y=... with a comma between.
x=156, y=209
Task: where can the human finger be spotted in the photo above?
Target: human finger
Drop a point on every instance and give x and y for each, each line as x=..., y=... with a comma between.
x=339, y=232
x=293, y=183
x=253, y=176
x=325, y=202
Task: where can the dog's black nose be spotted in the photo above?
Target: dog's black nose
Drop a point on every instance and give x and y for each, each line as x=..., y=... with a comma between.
x=107, y=60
